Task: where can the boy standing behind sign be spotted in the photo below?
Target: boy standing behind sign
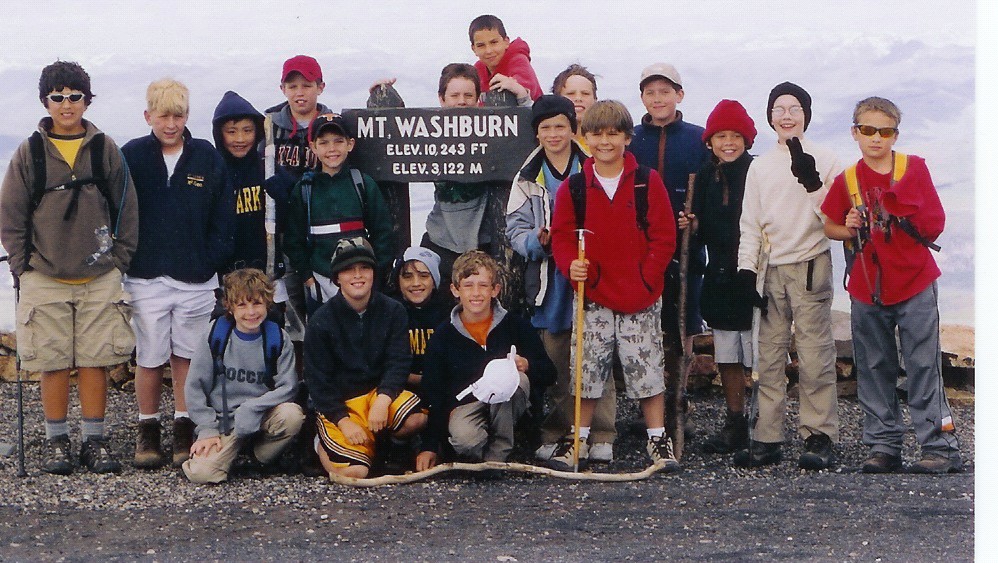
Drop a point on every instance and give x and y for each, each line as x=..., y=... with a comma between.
x=331, y=204
x=502, y=64
x=454, y=225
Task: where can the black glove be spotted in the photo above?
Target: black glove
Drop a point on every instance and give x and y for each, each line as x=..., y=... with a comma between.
x=745, y=281
x=803, y=167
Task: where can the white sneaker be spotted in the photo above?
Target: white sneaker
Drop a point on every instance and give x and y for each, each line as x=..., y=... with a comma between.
x=545, y=452
x=601, y=451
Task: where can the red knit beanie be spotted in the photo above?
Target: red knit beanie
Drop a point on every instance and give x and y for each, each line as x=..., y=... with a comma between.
x=729, y=115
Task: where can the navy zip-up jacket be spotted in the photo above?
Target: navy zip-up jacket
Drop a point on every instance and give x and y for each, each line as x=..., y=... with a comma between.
x=185, y=225
x=249, y=184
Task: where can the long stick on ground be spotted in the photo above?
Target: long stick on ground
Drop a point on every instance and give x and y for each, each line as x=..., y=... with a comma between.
x=20, y=385
x=494, y=465
x=684, y=369
x=579, y=326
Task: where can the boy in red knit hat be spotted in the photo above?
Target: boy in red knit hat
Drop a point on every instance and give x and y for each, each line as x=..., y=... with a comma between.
x=717, y=208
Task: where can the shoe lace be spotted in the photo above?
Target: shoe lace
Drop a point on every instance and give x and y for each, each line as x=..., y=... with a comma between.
x=662, y=446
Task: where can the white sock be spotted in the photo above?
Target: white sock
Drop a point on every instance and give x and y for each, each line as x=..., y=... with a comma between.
x=583, y=432
x=653, y=432
x=153, y=416
x=180, y=414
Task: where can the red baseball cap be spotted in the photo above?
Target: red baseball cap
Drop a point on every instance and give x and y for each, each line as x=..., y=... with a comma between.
x=307, y=66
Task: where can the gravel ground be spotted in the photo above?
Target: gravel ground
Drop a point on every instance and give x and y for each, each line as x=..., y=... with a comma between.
x=709, y=510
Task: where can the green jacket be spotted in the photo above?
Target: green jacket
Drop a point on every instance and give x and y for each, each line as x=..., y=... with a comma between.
x=336, y=213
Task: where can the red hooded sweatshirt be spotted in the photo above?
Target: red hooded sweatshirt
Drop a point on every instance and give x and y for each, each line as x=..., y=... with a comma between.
x=515, y=62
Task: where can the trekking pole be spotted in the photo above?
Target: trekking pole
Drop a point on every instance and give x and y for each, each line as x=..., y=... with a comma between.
x=684, y=369
x=20, y=393
x=579, y=325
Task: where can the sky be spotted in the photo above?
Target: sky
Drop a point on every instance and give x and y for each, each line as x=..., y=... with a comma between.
x=934, y=60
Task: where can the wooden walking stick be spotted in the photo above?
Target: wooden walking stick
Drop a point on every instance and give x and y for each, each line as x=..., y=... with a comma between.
x=684, y=368
x=579, y=326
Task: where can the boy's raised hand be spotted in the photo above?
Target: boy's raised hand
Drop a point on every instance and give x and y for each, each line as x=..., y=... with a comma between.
x=377, y=417
x=803, y=166
x=352, y=431
x=508, y=83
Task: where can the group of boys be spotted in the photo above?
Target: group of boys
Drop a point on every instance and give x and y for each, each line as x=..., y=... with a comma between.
x=115, y=249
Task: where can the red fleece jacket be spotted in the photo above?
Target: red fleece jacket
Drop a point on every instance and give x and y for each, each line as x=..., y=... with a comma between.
x=515, y=62
x=905, y=266
x=626, y=268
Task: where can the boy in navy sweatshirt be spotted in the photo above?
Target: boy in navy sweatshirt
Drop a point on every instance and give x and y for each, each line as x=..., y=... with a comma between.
x=186, y=217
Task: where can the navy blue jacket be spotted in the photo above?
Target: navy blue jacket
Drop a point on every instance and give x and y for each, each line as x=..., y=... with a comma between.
x=247, y=177
x=186, y=224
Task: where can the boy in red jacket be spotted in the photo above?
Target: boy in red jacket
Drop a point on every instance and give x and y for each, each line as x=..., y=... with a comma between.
x=887, y=206
x=630, y=240
x=503, y=64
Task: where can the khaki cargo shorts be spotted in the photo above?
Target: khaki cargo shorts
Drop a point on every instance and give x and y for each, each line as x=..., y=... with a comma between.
x=61, y=325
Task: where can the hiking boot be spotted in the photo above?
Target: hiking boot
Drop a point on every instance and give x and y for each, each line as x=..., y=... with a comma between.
x=57, y=459
x=882, y=462
x=95, y=455
x=818, y=452
x=147, y=443
x=732, y=437
x=545, y=451
x=758, y=454
x=936, y=463
x=659, y=449
x=601, y=452
x=183, y=439
x=564, y=452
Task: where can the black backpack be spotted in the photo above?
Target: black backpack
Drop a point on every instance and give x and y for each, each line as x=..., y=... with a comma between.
x=577, y=189
x=40, y=186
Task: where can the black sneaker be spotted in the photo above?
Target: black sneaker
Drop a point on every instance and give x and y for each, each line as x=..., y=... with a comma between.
x=58, y=460
x=758, y=454
x=732, y=437
x=96, y=456
x=818, y=452
x=882, y=462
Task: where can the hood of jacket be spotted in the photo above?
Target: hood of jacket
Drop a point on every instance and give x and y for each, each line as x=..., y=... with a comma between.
x=234, y=106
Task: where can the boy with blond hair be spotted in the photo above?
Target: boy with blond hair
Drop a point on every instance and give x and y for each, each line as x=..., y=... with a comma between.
x=68, y=248
x=186, y=220
x=241, y=383
x=887, y=206
x=623, y=273
x=480, y=330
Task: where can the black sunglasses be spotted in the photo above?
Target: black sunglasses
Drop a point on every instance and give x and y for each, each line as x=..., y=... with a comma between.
x=869, y=130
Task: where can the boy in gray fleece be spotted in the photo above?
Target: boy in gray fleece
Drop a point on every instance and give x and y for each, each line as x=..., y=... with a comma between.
x=233, y=398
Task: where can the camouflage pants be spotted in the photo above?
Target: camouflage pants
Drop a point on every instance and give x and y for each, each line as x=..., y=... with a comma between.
x=635, y=337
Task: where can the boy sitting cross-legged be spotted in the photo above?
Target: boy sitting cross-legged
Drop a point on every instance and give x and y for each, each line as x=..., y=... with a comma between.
x=237, y=389
x=356, y=365
x=623, y=272
x=479, y=330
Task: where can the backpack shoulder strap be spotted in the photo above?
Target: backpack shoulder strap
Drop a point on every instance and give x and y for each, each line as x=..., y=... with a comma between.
x=900, y=166
x=641, y=176
x=577, y=189
x=852, y=184
x=358, y=184
x=273, y=343
x=306, y=197
x=37, y=146
x=99, y=176
x=218, y=339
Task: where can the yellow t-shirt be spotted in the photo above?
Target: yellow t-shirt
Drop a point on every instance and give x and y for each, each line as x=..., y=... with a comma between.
x=68, y=148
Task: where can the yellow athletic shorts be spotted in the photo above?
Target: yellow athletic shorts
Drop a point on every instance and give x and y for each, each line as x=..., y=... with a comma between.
x=341, y=452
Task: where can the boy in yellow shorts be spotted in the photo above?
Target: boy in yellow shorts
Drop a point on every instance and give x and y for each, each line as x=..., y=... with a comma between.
x=356, y=365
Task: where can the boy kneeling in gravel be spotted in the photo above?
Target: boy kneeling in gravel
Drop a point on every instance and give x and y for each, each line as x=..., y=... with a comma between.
x=237, y=389
x=356, y=364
